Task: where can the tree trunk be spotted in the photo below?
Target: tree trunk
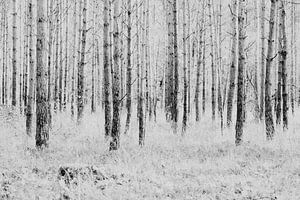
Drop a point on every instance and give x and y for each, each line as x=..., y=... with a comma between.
x=50, y=43
x=268, y=104
x=176, y=75
x=66, y=75
x=184, y=120
x=282, y=70
x=42, y=126
x=81, y=64
x=115, y=131
x=74, y=59
x=14, y=55
x=232, y=63
x=107, y=107
x=213, y=71
x=129, y=67
x=262, y=64
x=241, y=65
x=30, y=99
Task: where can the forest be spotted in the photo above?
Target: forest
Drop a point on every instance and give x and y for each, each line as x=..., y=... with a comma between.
x=149, y=99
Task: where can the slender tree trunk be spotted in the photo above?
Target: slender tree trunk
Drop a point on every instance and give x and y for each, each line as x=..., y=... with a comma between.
x=14, y=55
x=185, y=90
x=93, y=104
x=81, y=64
x=74, y=58
x=282, y=65
x=232, y=63
x=129, y=67
x=176, y=74
x=263, y=57
x=115, y=130
x=30, y=99
x=66, y=75
x=197, y=92
x=50, y=43
x=241, y=65
x=56, y=86
x=189, y=58
x=268, y=104
x=42, y=126
x=213, y=70
x=141, y=81
x=293, y=58
x=107, y=107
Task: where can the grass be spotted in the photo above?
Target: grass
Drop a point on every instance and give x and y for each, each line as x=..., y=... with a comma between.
x=204, y=164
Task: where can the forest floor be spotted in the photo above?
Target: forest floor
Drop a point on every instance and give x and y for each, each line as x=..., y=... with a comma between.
x=204, y=164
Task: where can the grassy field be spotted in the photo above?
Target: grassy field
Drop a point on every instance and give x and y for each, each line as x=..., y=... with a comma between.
x=205, y=164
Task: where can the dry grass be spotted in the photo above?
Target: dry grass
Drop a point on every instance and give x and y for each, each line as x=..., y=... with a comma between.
x=202, y=165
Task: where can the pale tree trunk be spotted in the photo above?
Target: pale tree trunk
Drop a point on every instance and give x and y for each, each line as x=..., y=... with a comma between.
x=14, y=55
x=30, y=99
x=141, y=66
x=61, y=57
x=213, y=70
x=176, y=74
x=115, y=130
x=107, y=107
x=185, y=90
x=232, y=62
x=129, y=67
x=3, y=19
x=284, y=72
x=56, y=57
x=93, y=104
x=81, y=64
x=293, y=58
x=221, y=76
x=74, y=64
x=281, y=107
x=204, y=63
x=42, y=126
x=241, y=72
x=169, y=72
x=268, y=104
x=256, y=91
x=50, y=43
x=263, y=57
x=197, y=91
x=189, y=58
x=66, y=75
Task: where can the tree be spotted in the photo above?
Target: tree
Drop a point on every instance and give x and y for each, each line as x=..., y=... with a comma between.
x=81, y=64
x=232, y=62
x=107, y=107
x=262, y=61
x=241, y=72
x=268, y=105
x=129, y=67
x=14, y=56
x=30, y=98
x=42, y=126
x=213, y=70
x=115, y=130
x=184, y=120
x=282, y=72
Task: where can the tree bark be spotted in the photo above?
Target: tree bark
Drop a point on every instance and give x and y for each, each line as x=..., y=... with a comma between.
x=129, y=67
x=268, y=104
x=81, y=64
x=115, y=131
x=42, y=126
x=241, y=72
x=107, y=106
